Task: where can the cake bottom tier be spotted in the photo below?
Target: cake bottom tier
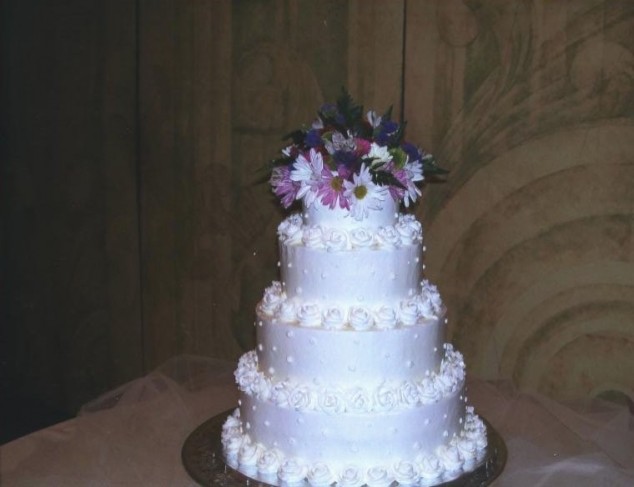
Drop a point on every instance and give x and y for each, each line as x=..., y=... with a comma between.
x=426, y=443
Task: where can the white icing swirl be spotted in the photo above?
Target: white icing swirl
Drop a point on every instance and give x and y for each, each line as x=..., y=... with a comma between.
x=279, y=395
x=361, y=238
x=409, y=229
x=449, y=458
x=249, y=454
x=378, y=476
x=246, y=374
x=360, y=318
x=309, y=315
x=427, y=391
x=358, y=400
x=467, y=449
x=301, y=398
x=290, y=230
x=273, y=297
x=409, y=394
x=336, y=240
x=408, y=312
x=385, y=317
x=270, y=461
x=334, y=318
x=429, y=467
x=350, y=476
x=386, y=398
x=320, y=475
x=233, y=420
x=233, y=444
x=313, y=237
x=431, y=294
x=388, y=237
x=288, y=311
x=291, y=471
x=331, y=401
x=406, y=473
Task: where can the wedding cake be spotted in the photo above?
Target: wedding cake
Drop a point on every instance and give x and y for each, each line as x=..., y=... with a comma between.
x=351, y=380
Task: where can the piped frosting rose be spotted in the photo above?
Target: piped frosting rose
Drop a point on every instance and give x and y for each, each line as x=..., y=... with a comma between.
x=336, y=240
x=350, y=476
x=334, y=318
x=406, y=473
x=379, y=476
x=320, y=475
x=360, y=318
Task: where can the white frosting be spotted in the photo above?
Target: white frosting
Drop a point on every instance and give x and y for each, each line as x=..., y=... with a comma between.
x=329, y=398
x=351, y=381
x=419, y=308
x=319, y=214
x=341, y=356
x=361, y=459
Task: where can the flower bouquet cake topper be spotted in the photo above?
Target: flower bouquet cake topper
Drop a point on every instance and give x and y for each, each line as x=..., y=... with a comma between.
x=351, y=160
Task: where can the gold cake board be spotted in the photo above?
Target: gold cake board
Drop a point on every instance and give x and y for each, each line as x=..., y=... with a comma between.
x=203, y=460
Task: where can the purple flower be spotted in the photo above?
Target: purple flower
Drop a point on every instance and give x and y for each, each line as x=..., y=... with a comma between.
x=331, y=191
x=385, y=132
x=345, y=158
x=282, y=185
x=412, y=151
x=313, y=138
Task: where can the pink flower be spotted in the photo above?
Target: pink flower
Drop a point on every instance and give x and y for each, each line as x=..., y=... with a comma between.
x=332, y=188
x=282, y=185
x=307, y=171
x=363, y=147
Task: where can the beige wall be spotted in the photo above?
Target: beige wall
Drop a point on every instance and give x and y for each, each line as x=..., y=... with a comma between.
x=134, y=230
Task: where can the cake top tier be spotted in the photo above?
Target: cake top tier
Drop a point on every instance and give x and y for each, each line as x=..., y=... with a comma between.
x=318, y=214
x=351, y=161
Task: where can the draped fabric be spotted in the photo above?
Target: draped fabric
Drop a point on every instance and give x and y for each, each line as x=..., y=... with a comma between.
x=133, y=435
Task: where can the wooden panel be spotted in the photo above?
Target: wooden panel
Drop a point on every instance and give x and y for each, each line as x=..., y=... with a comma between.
x=69, y=256
x=375, y=54
x=530, y=239
x=185, y=86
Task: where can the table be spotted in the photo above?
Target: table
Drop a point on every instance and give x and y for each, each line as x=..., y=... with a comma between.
x=133, y=434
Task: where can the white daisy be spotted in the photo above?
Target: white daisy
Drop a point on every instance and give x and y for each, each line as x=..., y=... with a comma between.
x=379, y=154
x=374, y=119
x=363, y=194
x=414, y=171
x=308, y=174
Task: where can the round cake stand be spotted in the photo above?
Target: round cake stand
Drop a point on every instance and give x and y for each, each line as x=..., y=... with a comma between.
x=203, y=460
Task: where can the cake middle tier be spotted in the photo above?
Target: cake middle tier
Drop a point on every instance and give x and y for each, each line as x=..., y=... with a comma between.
x=324, y=357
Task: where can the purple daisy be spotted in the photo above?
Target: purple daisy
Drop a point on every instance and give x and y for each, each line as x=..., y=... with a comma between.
x=282, y=185
x=331, y=191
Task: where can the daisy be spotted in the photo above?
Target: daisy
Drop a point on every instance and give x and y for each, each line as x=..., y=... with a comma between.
x=282, y=185
x=379, y=154
x=363, y=194
x=332, y=189
x=413, y=172
x=308, y=173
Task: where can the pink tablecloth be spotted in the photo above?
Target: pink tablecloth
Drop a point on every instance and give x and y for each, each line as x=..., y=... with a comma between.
x=133, y=435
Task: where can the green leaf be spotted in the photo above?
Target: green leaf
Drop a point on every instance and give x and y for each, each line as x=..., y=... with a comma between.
x=297, y=136
x=431, y=168
x=351, y=112
x=385, y=178
x=399, y=156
